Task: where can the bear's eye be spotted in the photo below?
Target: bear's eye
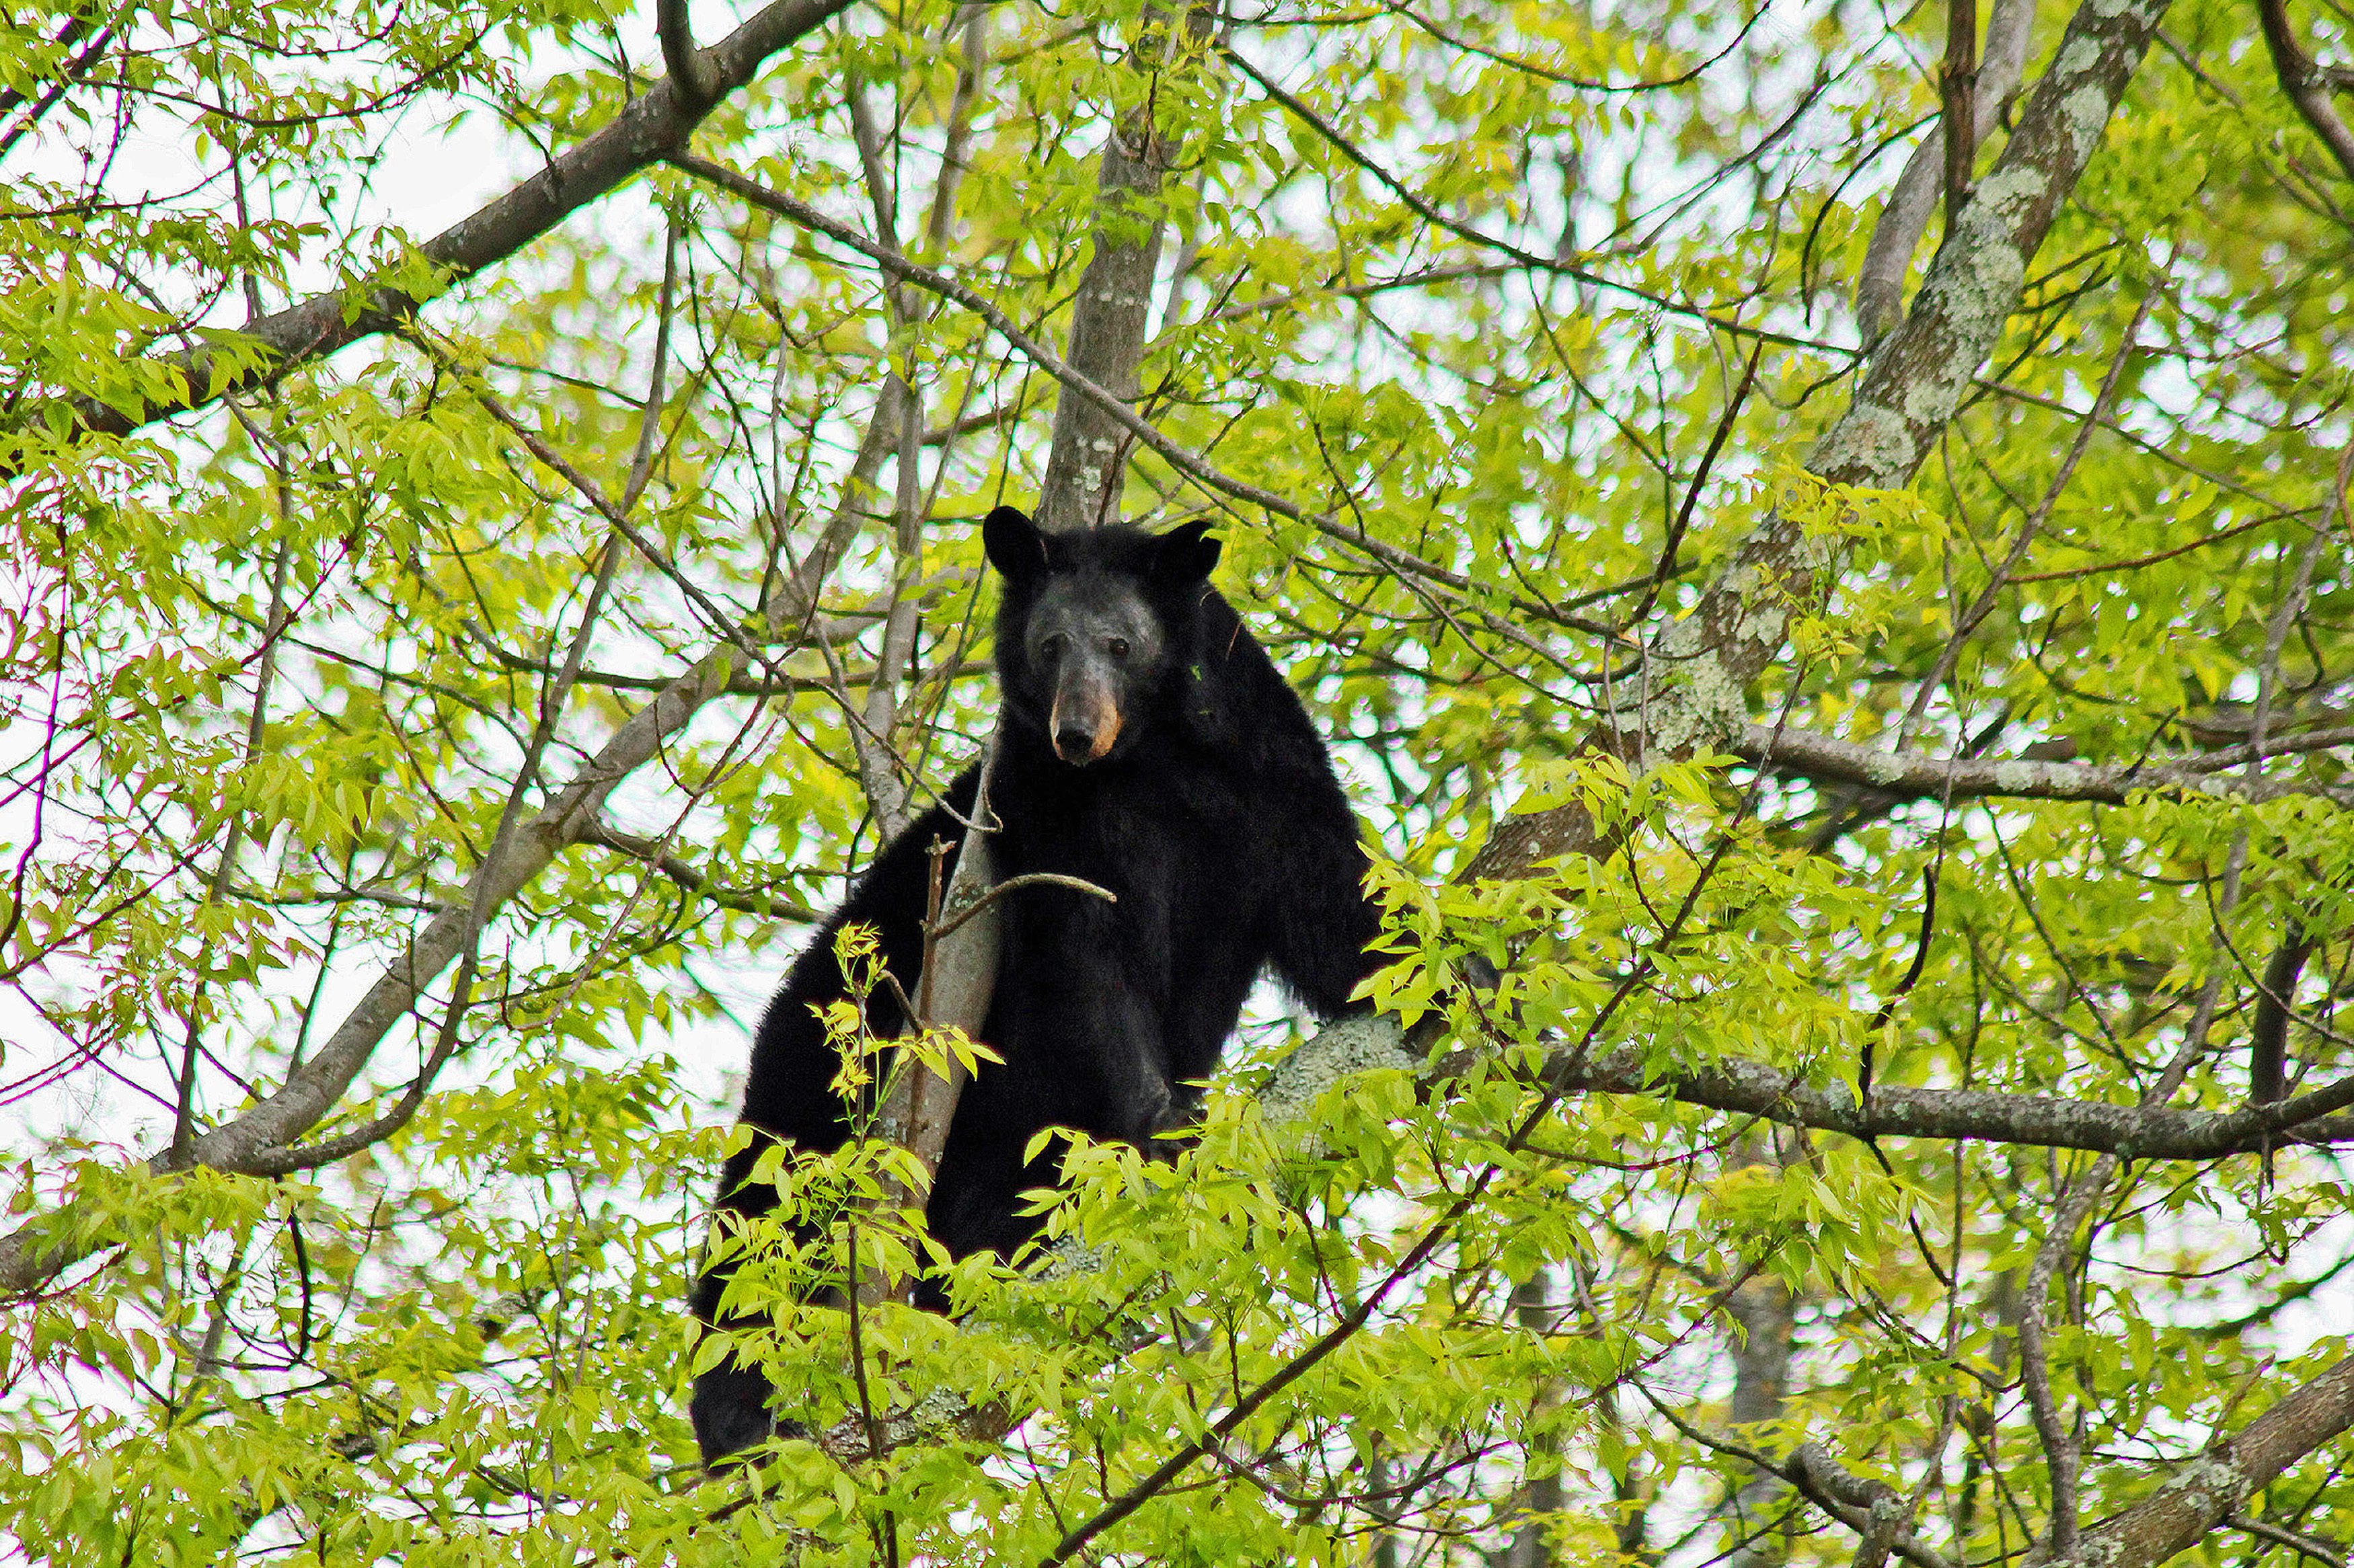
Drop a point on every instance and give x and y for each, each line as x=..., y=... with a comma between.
x=1051, y=647
x=1119, y=647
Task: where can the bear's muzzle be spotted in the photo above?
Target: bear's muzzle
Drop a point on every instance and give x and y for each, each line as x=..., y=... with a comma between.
x=1084, y=723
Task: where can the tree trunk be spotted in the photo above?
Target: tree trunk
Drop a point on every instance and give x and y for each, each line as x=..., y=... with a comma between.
x=1086, y=465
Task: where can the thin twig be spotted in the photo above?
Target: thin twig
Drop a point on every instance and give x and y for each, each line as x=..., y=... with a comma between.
x=1014, y=883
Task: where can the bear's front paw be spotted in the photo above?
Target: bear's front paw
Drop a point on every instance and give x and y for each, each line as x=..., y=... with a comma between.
x=1174, y=1127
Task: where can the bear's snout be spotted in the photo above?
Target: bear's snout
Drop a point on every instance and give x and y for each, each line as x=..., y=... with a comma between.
x=1084, y=724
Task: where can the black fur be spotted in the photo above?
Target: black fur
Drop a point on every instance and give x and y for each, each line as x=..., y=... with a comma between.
x=1212, y=811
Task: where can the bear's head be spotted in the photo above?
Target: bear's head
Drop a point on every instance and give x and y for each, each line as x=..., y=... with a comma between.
x=1096, y=628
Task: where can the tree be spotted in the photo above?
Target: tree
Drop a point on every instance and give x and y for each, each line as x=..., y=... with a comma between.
x=1862, y=791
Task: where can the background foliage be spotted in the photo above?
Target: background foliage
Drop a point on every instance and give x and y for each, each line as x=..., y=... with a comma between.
x=420, y=760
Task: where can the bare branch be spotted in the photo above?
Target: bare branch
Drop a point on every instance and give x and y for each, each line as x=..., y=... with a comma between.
x=1911, y=776
x=959, y=981
x=344, y=1144
x=1785, y=1095
x=1869, y=1507
x=2063, y=1448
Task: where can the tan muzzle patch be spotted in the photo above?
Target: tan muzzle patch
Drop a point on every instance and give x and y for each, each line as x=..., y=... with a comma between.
x=1093, y=705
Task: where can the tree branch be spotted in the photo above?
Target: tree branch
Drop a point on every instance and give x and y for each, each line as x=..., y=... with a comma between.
x=655, y=122
x=1075, y=378
x=954, y=915
x=249, y=1141
x=1956, y=85
x=1916, y=378
x=1911, y=776
x=650, y=851
x=1782, y=1095
x=1880, y=282
x=2305, y=1546
x=1087, y=462
x=2307, y=86
x=1869, y=1507
x=1690, y=691
x=692, y=75
x=37, y=1250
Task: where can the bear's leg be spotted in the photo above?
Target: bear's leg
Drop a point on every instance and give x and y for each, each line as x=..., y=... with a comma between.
x=1121, y=1037
x=1319, y=917
x=730, y=1403
x=730, y=1410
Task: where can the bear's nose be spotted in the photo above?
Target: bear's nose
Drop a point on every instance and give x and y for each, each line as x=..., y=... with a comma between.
x=1085, y=723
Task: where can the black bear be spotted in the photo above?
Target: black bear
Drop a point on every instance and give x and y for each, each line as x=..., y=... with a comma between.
x=1148, y=746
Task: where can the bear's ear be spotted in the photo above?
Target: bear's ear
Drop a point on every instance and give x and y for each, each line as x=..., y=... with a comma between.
x=1016, y=548
x=1186, y=554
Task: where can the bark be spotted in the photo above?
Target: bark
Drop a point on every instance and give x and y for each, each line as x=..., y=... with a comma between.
x=656, y=123
x=1870, y=1507
x=1761, y=1360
